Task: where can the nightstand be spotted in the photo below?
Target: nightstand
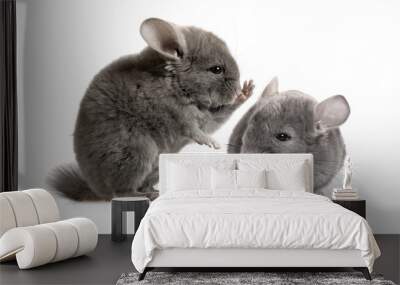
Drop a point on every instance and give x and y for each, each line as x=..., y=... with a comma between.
x=119, y=208
x=357, y=206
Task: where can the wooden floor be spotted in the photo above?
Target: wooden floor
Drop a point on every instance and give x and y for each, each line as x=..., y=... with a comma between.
x=110, y=260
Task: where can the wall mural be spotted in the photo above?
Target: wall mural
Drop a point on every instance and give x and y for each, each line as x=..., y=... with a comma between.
x=179, y=90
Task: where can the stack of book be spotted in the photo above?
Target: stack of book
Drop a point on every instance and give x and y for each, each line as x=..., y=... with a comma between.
x=344, y=194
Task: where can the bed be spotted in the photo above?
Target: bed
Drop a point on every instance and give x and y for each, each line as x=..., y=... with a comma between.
x=247, y=211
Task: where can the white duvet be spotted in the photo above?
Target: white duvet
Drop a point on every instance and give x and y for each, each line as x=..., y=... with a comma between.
x=250, y=219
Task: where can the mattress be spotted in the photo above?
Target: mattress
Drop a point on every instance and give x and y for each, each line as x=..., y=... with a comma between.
x=251, y=219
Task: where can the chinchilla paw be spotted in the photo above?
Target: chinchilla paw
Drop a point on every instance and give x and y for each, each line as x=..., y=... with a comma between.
x=247, y=91
x=215, y=144
x=210, y=142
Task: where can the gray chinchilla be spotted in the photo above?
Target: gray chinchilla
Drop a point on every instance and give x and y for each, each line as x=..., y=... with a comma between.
x=179, y=89
x=293, y=122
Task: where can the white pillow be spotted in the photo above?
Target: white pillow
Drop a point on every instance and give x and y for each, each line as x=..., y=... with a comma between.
x=223, y=179
x=231, y=180
x=188, y=177
x=251, y=178
x=282, y=174
x=292, y=179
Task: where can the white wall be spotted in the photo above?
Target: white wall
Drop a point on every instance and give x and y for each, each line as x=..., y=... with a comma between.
x=320, y=47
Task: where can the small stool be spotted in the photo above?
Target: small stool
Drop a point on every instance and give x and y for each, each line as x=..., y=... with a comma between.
x=119, y=207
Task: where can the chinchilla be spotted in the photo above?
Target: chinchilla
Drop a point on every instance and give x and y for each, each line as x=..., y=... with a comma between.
x=179, y=89
x=293, y=122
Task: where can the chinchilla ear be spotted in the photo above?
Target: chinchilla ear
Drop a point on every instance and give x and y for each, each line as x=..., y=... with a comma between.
x=166, y=38
x=271, y=89
x=331, y=112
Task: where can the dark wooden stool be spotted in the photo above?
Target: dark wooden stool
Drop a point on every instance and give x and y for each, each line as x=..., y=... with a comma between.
x=119, y=207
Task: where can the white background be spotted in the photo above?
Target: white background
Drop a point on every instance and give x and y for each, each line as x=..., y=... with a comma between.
x=319, y=47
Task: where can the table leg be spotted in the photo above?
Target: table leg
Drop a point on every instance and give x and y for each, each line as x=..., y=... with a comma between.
x=117, y=222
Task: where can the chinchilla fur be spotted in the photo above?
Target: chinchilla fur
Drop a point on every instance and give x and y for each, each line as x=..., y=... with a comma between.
x=293, y=122
x=179, y=89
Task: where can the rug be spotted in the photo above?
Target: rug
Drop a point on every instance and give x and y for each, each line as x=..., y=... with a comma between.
x=244, y=278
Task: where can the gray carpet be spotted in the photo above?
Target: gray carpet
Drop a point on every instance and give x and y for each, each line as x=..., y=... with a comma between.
x=243, y=278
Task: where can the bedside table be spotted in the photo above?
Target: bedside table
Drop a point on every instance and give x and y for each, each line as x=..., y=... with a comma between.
x=119, y=207
x=357, y=206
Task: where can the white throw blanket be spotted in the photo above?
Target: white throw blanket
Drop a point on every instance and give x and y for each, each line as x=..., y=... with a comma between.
x=250, y=219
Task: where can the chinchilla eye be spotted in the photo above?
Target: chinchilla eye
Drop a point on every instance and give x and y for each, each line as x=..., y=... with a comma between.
x=217, y=69
x=283, y=137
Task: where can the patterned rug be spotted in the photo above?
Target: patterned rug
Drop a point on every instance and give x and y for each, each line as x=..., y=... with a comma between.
x=244, y=278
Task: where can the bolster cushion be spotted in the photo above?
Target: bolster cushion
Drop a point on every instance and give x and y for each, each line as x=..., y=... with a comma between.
x=26, y=208
x=40, y=244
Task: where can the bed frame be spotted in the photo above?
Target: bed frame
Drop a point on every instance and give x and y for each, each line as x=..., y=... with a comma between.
x=234, y=259
x=246, y=259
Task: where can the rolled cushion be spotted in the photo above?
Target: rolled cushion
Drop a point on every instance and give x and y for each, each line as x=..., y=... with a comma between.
x=67, y=240
x=40, y=244
x=32, y=246
x=87, y=234
x=27, y=208
x=45, y=205
x=23, y=208
x=7, y=220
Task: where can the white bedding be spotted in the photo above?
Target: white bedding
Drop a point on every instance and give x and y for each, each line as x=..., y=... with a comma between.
x=252, y=218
